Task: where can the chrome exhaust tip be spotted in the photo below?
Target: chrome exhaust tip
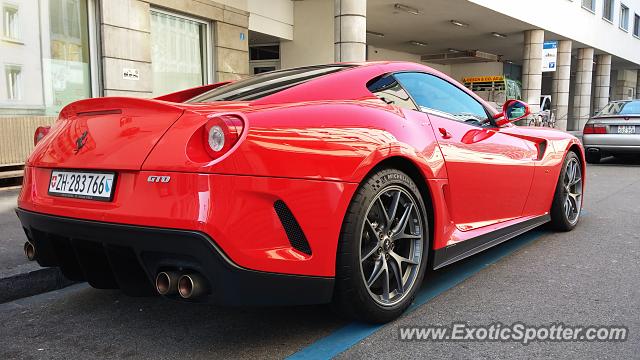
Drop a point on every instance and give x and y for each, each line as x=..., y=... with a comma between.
x=30, y=251
x=191, y=286
x=167, y=282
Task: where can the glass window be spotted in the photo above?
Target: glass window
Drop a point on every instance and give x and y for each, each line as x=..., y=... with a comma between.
x=266, y=84
x=264, y=52
x=621, y=108
x=607, y=10
x=389, y=90
x=14, y=82
x=11, y=22
x=636, y=25
x=589, y=4
x=178, y=53
x=51, y=66
x=433, y=93
x=624, y=17
x=66, y=58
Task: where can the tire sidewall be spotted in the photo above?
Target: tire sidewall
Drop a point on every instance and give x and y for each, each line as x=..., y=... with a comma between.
x=370, y=190
x=558, y=216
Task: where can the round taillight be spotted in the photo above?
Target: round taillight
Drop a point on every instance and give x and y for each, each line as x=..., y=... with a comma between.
x=221, y=133
x=216, y=138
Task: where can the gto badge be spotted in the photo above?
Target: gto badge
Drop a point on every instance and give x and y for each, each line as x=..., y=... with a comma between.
x=158, y=179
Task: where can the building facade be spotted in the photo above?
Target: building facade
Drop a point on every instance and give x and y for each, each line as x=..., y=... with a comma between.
x=53, y=52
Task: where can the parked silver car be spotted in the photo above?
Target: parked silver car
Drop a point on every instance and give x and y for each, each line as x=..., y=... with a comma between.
x=615, y=130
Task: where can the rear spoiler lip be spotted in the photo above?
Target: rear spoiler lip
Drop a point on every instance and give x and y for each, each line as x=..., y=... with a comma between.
x=113, y=105
x=184, y=95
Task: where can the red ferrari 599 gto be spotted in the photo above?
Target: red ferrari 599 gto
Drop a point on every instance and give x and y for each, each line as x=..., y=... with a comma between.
x=334, y=184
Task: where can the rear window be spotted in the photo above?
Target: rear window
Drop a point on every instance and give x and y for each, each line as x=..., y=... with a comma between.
x=621, y=108
x=269, y=83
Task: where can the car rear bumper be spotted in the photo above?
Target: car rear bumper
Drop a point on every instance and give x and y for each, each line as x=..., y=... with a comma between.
x=128, y=257
x=612, y=143
x=239, y=212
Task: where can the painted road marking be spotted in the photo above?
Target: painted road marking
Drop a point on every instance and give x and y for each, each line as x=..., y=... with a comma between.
x=440, y=281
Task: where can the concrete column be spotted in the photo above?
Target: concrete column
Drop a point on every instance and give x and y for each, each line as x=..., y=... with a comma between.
x=582, y=96
x=126, y=44
x=560, y=84
x=602, y=81
x=350, y=30
x=532, y=68
x=625, y=85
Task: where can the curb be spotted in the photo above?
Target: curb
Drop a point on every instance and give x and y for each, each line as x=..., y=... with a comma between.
x=32, y=283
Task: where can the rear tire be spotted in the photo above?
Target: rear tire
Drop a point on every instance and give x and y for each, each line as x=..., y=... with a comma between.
x=567, y=200
x=593, y=157
x=385, y=232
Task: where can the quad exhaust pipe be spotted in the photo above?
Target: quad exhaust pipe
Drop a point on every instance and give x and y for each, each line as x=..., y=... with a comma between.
x=167, y=282
x=191, y=286
x=30, y=250
x=188, y=286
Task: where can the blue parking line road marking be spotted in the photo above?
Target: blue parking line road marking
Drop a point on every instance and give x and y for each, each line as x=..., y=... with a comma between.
x=438, y=282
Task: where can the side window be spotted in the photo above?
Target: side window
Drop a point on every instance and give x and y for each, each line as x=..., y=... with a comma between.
x=431, y=92
x=389, y=91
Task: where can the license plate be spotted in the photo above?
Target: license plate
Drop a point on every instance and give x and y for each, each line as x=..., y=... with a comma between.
x=626, y=129
x=82, y=184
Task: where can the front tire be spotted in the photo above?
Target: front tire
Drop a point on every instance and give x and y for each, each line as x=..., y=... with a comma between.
x=567, y=200
x=383, y=249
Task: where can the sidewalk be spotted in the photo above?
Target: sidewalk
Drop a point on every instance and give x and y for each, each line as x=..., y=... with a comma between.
x=18, y=276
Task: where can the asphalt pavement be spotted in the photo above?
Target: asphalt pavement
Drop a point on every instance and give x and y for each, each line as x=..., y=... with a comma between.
x=18, y=276
x=585, y=277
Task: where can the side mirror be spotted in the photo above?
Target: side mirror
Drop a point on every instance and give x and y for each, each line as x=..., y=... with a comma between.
x=512, y=110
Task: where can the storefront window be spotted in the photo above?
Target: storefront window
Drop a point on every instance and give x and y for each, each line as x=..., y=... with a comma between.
x=45, y=62
x=66, y=59
x=178, y=52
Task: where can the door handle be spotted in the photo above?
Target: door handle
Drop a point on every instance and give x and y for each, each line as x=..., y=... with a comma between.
x=445, y=134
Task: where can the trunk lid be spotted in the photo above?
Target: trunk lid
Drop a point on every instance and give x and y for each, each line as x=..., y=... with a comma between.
x=620, y=124
x=105, y=133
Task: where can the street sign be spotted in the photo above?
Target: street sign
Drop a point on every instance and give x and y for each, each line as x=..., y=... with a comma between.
x=549, y=55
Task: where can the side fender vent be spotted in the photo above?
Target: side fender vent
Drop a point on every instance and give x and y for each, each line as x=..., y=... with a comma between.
x=291, y=227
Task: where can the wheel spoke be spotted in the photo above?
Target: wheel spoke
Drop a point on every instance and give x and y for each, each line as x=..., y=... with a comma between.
x=402, y=223
x=400, y=259
x=394, y=205
x=378, y=269
x=369, y=227
x=577, y=178
x=401, y=235
x=387, y=221
x=397, y=273
x=573, y=201
x=370, y=252
x=385, y=281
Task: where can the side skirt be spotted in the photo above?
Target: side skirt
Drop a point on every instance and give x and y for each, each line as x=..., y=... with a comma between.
x=452, y=253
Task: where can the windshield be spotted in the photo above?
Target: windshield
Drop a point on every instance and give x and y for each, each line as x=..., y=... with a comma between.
x=621, y=108
x=259, y=86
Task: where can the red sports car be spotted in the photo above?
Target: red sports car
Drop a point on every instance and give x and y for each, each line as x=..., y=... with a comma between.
x=337, y=183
